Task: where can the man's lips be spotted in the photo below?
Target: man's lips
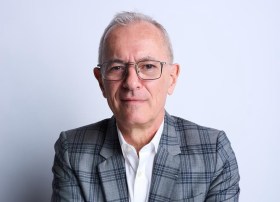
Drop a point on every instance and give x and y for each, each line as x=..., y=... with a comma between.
x=132, y=100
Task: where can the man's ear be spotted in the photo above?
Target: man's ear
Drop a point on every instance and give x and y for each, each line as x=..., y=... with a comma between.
x=174, y=74
x=98, y=76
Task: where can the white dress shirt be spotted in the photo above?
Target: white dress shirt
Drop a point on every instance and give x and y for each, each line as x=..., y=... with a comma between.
x=139, y=170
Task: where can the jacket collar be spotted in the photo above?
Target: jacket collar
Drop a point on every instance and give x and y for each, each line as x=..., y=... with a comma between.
x=111, y=145
x=170, y=139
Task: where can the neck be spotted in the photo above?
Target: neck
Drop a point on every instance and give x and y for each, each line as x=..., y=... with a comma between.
x=139, y=136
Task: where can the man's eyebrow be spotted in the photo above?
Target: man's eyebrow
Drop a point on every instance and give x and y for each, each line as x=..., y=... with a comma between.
x=116, y=60
x=124, y=62
x=146, y=58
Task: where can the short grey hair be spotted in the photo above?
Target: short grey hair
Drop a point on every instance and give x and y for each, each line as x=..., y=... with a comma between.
x=125, y=18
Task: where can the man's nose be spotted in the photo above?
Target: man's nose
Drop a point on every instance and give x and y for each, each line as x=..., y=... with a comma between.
x=131, y=80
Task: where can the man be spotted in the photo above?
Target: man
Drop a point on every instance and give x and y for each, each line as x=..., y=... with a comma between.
x=142, y=153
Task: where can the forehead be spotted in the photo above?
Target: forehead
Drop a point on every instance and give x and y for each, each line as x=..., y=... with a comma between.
x=139, y=29
x=135, y=36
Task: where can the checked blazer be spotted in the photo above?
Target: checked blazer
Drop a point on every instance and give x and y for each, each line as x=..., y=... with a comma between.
x=193, y=164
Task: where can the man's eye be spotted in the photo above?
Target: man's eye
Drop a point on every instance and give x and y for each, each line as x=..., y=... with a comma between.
x=149, y=66
x=116, y=68
x=146, y=67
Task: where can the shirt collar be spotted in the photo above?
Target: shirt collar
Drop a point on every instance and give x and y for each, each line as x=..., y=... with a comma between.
x=154, y=141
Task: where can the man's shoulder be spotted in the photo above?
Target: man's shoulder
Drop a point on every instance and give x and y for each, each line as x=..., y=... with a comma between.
x=193, y=132
x=89, y=133
x=184, y=124
x=93, y=126
x=197, y=139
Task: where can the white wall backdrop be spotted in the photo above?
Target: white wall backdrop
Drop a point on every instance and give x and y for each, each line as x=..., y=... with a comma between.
x=230, y=71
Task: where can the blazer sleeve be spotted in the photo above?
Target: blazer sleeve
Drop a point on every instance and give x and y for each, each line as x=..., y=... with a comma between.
x=225, y=182
x=65, y=185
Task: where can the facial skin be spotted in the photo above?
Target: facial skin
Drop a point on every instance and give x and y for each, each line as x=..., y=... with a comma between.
x=138, y=105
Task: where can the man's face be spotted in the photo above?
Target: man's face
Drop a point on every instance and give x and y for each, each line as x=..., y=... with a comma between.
x=133, y=101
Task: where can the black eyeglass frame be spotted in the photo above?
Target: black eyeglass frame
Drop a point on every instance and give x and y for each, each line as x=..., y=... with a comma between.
x=135, y=67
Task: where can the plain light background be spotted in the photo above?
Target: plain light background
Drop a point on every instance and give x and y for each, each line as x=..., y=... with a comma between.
x=230, y=68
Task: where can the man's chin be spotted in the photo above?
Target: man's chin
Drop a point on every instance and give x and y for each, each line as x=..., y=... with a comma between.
x=133, y=119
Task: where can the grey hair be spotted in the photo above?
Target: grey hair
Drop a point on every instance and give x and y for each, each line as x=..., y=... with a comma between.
x=125, y=18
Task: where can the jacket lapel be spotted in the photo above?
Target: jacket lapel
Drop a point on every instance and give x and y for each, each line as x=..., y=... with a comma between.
x=112, y=170
x=166, y=164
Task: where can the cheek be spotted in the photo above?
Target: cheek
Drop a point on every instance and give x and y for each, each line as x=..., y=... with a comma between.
x=106, y=90
x=110, y=91
x=159, y=92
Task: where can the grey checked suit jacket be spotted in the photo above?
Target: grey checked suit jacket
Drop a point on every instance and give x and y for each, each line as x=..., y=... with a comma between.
x=193, y=164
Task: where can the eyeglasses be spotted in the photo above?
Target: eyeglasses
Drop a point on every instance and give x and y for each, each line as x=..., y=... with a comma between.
x=145, y=70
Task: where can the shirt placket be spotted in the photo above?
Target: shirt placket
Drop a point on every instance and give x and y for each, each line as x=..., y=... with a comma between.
x=141, y=179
